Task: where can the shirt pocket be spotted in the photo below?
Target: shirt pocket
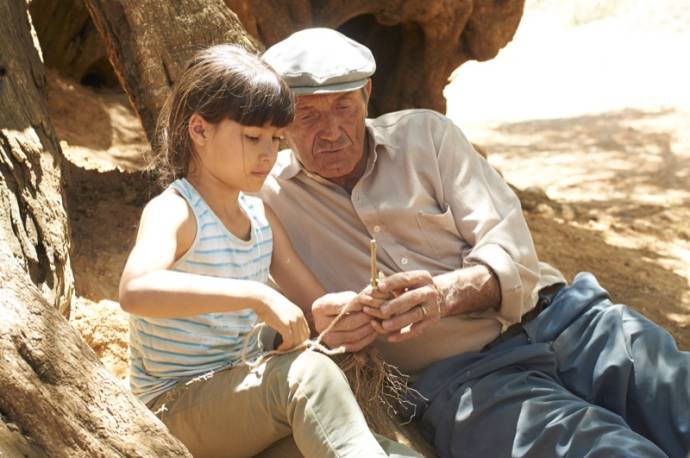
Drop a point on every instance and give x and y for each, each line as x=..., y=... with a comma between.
x=439, y=231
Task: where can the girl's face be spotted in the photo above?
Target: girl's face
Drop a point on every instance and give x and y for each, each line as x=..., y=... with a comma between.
x=238, y=156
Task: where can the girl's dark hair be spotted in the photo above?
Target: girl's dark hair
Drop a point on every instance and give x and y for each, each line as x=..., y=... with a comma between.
x=221, y=82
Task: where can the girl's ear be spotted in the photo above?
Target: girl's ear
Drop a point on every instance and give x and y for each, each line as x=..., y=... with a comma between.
x=198, y=129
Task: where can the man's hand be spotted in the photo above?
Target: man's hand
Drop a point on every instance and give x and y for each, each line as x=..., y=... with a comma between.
x=416, y=302
x=353, y=331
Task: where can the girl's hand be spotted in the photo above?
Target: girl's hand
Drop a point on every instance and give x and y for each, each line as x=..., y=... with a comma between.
x=286, y=318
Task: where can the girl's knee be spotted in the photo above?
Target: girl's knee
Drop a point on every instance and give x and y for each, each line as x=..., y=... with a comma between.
x=313, y=367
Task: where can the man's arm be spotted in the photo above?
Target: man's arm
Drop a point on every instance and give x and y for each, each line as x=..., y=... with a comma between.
x=471, y=289
x=499, y=268
x=488, y=216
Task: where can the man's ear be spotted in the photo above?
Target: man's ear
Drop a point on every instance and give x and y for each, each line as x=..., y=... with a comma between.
x=198, y=129
x=366, y=93
x=367, y=90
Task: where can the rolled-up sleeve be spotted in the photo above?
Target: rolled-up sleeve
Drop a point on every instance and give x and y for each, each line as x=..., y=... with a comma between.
x=489, y=217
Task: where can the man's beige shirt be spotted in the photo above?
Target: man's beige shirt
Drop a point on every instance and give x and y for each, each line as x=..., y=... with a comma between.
x=431, y=202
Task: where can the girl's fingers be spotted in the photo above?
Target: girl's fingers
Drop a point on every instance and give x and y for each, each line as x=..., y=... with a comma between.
x=287, y=341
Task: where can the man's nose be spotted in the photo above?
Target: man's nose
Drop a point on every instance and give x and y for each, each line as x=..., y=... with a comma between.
x=329, y=129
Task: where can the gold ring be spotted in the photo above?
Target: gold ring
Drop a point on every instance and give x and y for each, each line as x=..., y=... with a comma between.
x=424, y=312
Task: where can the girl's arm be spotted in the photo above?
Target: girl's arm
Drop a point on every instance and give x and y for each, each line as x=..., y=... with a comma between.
x=293, y=277
x=148, y=288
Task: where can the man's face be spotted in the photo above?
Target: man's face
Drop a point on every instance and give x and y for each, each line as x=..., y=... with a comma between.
x=328, y=132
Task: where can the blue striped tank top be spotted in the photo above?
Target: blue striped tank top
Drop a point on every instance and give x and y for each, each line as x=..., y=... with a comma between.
x=165, y=350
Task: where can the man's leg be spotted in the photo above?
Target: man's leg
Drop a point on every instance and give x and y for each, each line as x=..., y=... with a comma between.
x=612, y=356
x=239, y=412
x=510, y=402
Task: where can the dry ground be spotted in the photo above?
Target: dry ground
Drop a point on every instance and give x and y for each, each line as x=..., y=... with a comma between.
x=589, y=105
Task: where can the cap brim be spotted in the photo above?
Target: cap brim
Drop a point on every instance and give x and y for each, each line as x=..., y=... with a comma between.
x=328, y=89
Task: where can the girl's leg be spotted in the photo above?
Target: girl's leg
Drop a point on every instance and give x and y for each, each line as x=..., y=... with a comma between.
x=240, y=412
x=286, y=448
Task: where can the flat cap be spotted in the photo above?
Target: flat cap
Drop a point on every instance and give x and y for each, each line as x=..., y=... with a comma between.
x=320, y=61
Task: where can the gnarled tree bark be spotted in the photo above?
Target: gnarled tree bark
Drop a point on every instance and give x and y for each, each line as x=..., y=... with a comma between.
x=149, y=44
x=417, y=45
x=56, y=398
x=33, y=223
x=70, y=42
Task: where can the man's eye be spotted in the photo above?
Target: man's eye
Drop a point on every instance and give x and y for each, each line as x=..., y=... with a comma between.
x=307, y=117
x=251, y=138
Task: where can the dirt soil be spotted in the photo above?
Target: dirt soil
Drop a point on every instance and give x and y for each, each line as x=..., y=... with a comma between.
x=595, y=141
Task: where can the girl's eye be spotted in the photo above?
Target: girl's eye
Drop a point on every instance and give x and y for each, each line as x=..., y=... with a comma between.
x=278, y=139
x=251, y=138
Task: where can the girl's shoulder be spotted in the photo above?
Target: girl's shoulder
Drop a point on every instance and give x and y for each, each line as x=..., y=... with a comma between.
x=169, y=211
x=169, y=205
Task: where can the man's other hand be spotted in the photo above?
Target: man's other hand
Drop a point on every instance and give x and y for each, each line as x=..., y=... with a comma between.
x=353, y=331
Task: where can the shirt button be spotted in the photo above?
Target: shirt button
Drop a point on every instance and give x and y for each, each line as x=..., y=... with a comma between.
x=377, y=229
x=403, y=261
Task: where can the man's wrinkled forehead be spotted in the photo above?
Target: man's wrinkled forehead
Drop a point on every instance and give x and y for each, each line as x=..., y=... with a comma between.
x=321, y=61
x=317, y=100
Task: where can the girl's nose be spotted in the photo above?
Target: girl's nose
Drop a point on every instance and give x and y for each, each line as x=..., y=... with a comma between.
x=269, y=150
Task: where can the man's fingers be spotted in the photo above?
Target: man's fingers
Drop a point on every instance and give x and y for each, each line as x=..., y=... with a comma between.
x=371, y=301
x=352, y=321
x=329, y=308
x=376, y=324
x=333, y=303
x=355, y=335
x=405, y=302
x=400, y=321
x=375, y=312
x=357, y=346
x=350, y=338
x=402, y=280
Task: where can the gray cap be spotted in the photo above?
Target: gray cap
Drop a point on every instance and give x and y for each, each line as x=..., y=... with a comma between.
x=320, y=61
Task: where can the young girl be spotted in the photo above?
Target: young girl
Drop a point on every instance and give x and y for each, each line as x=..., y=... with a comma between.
x=195, y=281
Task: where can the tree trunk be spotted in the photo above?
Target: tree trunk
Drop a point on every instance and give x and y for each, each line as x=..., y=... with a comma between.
x=70, y=42
x=33, y=223
x=148, y=44
x=417, y=44
x=56, y=398
x=55, y=391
